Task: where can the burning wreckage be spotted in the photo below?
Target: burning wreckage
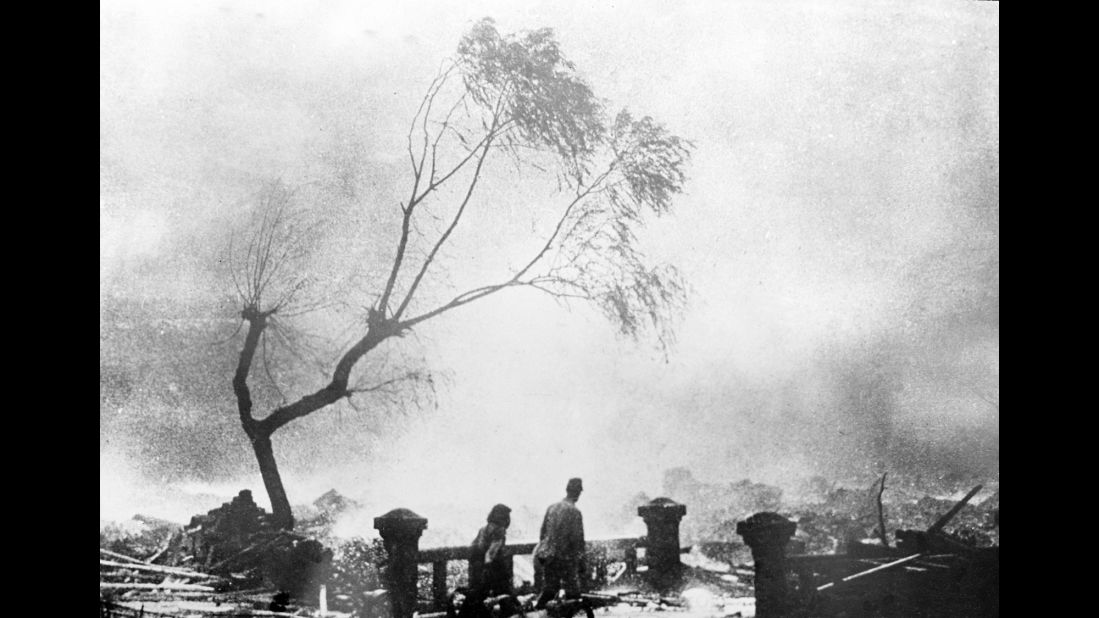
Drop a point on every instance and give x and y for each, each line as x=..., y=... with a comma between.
x=829, y=556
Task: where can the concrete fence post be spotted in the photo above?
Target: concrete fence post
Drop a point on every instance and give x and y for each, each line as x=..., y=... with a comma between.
x=662, y=516
x=767, y=535
x=400, y=530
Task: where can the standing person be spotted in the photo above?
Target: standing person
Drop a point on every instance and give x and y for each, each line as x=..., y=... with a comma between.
x=489, y=574
x=560, y=551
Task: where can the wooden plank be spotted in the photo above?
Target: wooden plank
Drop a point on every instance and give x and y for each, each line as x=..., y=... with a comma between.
x=141, y=586
x=945, y=519
x=214, y=610
x=120, y=556
x=130, y=573
x=155, y=568
x=878, y=569
x=461, y=552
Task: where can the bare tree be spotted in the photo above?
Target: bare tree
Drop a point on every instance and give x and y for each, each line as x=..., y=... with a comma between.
x=502, y=98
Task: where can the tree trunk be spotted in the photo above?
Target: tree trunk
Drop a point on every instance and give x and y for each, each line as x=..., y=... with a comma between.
x=280, y=504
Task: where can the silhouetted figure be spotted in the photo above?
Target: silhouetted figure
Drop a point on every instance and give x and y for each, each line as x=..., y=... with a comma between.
x=489, y=569
x=560, y=551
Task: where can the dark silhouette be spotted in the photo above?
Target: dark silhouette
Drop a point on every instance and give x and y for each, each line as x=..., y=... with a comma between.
x=490, y=573
x=560, y=551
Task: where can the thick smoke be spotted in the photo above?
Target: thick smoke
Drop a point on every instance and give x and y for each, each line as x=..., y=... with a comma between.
x=842, y=249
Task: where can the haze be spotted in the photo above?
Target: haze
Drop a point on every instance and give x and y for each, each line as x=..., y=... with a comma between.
x=840, y=235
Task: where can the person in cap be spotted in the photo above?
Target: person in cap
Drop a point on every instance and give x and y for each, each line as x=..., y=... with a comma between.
x=560, y=551
x=489, y=574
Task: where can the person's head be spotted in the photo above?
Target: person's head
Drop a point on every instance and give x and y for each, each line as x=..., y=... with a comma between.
x=574, y=487
x=500, y=515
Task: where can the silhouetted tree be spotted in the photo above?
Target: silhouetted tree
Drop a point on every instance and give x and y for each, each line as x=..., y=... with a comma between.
x=501, y=98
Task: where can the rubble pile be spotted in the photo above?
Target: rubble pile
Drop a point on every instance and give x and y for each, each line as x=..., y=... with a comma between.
x=234, y=557
x=846, y=516
x=830, y=518
x=222, y=533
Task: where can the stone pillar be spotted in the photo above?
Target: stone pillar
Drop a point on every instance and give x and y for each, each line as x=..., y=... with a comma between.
x=400, y=530
x=662, y=517
x=767, y=535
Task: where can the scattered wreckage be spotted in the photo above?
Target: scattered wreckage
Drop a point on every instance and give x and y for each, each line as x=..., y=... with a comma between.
x=232, y=561
x=230, y=558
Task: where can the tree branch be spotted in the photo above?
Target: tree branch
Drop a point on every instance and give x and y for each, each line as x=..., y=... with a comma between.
x=378, y=330
x=408, y=376
x=580, y=195
x=462, y=299
x=450, y=229
x=398, y=259
x=267, y=368
x=477, y=293
x=501, y=128
x=257, y=322
x=416, y=197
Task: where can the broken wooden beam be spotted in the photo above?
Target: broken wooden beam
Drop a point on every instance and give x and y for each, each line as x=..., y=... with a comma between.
x=154, y=568
x=115, y=554
x=132, y=574
x=877, y=569
x=945, y=519
x=145, y=586
x=128, y=605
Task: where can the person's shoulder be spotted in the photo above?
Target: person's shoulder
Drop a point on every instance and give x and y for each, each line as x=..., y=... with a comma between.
x=478, y=540
x=569, y=508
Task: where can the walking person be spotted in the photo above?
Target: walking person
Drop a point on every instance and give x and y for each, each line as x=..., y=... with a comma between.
x=560, y=551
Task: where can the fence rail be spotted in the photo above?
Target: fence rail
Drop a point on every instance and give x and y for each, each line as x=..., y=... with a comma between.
x=438, y=557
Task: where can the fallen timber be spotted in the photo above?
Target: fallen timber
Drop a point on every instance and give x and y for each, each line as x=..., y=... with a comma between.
x=158, y=569
x=937, y=527
x=877, y=569
x=147, y=586
x=119, y=610
x=118, y=556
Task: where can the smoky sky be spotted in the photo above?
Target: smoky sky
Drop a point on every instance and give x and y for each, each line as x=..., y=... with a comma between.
x=839, y=233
